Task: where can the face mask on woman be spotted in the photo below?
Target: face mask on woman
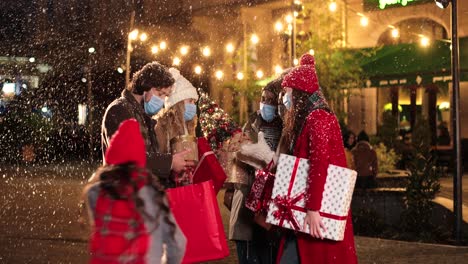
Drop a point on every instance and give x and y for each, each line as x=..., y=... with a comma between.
x=267, y=111
x=153, y=105
x=190, y=111
x=287, y=101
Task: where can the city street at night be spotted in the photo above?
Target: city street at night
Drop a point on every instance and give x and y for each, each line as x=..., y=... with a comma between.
x=40, y=222
x=332, y=132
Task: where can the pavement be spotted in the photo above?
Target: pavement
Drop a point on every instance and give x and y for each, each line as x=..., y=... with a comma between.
x=39, y=222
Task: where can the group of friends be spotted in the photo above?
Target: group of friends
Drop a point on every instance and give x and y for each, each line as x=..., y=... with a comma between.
x=129, y=213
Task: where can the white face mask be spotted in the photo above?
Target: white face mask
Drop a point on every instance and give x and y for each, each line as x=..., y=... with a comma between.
x=287, y=100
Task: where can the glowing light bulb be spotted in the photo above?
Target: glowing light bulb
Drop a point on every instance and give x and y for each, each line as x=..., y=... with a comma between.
x=176, y=61
x=133, y=35
x=312, y=52
x=154, y=49
x=163, y=45
x=198, y=69
x=364, y=21
x=206, y=51
x=395, y=33
x=254, y=38
x=332, y=6
x=184, y=50
x=219, y=74
x=259, y=74
x=230, y=47
x=143, y=37
x=279, y=26
x=289, y=19
x=278, y=69
x=240, y=76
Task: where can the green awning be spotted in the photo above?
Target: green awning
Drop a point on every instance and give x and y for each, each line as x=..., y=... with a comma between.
x=411, y=64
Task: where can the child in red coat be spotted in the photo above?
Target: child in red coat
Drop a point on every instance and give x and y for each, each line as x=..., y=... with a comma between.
x=131, y=222
x=312, y=131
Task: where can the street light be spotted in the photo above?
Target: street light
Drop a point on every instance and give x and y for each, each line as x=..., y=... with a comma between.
x=457, y=179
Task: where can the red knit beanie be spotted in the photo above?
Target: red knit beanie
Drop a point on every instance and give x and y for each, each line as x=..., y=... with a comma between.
x=304, y=76
x=127, y=145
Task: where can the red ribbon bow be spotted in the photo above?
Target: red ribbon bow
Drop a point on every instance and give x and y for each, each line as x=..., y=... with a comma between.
x=285, y=206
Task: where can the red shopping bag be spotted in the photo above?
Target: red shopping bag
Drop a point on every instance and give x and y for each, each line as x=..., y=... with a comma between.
x=196, y=210
x=208, y=167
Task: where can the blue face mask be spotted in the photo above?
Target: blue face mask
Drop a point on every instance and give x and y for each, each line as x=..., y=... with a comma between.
x=153, y=105
x=190, y=111
x=287, y=101
x=268, y=112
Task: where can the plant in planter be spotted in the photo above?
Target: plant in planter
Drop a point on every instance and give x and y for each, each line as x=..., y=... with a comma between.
x=387, y=158
x=423, y=182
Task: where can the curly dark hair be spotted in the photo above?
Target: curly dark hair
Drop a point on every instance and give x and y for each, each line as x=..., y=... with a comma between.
x=152, y=75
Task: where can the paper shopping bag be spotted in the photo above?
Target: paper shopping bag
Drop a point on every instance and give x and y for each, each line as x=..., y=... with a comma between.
x=208, y=167
x=196, y=210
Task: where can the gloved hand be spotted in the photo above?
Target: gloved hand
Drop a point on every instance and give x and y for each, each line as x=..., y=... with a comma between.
x=257, y=155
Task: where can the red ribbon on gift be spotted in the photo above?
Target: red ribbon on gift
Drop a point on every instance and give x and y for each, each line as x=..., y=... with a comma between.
x=287, y=203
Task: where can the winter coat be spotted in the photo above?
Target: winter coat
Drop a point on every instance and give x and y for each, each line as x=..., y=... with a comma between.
x=156, y=235
x=365, y=159
x=320, y=141
x=127, y=107
x=242, y=219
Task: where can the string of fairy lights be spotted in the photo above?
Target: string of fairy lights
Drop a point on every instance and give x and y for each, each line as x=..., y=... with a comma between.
x=284, y=25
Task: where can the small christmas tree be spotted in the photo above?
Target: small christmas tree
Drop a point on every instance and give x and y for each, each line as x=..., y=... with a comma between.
x=423, y=181
x=216, y=125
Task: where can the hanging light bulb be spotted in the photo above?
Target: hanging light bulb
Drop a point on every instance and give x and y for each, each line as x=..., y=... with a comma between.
x=395, y=33
x=240, y=76
x=259, y=74
x=154, y=49
x=332, y=6
x=219, y=74
x=364, y=21
x=176, y=61
x=184, y=50
x=279, y=26
x=295, y=62
x=198, y=69
x=143, y=37
x=230, y=48
x=289, y=19
x=278, y=69
x=133, y=35
x=312, y=52
x=254, y=38
x=206, y=51
x=163, y=45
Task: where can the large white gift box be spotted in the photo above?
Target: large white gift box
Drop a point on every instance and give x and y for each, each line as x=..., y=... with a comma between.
x=287, y=206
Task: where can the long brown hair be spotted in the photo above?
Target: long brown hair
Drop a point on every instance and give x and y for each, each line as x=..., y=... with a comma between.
x=294, y=119
x=170, y=123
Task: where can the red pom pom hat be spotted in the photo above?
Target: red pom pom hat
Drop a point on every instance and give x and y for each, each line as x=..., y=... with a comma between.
x=127, y=145
x=304, y=76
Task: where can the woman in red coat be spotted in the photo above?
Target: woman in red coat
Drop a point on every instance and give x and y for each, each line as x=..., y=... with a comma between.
x=313, y=132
